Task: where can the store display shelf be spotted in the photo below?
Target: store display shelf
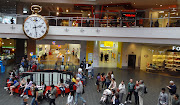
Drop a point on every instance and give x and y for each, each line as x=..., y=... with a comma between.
x=177, y=56
x=170, y=60
x=157, y=61
x=177, y=65
x=169, y=67
x=177, y=60
x=170, y=56
x=169, y=64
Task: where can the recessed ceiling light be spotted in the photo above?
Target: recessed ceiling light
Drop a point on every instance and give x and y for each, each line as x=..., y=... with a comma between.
x=107, y=6
x=7, y=1
x=10, y=43
x=52, y=4
x=160, y=5
x=134, y=3
x=24, y=11
x=111, y=1
x=57, y=13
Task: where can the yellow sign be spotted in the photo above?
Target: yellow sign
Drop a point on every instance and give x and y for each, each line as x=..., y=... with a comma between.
x=108, y=44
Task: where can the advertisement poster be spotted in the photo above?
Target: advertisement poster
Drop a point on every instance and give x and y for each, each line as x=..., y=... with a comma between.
x=90, y=56
x=119, y=57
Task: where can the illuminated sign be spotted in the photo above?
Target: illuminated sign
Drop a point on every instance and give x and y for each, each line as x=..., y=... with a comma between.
x=31, y=53
x=108, y=43
x=130, y=15
x=53, y=42
x=59, y=46
x=176, y=48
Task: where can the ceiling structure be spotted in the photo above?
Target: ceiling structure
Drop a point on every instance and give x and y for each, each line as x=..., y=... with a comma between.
x=9, y=6
x=143, y=4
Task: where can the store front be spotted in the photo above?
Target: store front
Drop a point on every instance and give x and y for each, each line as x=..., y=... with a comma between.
x=152, y=57
x=108, y=53
x=7, y=48
x=53, y=53
x=167, y=59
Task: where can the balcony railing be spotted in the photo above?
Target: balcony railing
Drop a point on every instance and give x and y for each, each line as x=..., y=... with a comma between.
x=96, y=22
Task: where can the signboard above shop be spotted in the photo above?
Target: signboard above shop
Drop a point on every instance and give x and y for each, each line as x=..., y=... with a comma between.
x=175, y=49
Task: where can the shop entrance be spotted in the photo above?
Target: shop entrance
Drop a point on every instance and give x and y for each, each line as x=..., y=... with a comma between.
x=108, y=54
x=132, y=61
x=66, y=53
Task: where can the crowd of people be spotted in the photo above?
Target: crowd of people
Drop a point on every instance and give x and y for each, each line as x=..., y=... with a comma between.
x=37, y=91
x=31, y=64
x=112, y=92
x=117, y=92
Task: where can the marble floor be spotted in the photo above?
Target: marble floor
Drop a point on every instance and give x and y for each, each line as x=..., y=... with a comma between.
x=112, y=63
x=154, y=83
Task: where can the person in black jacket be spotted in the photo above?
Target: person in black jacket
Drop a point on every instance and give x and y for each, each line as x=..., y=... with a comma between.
x=82, y=65
x=172, y=90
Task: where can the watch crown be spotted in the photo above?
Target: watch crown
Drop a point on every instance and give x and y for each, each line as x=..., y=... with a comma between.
x=36, y=9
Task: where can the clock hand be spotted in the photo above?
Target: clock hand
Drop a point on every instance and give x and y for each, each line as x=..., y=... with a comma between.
x=35, y=29
x=39, y=26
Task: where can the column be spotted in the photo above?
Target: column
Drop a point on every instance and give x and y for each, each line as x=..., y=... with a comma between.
x=96, y=54
x=178, y=6
x=82, y=50
x=97, y=14
x=89, y=51
x=20, y=49
x=119, y=56
x=146, y=22
x=31, y=47
x=1, y=46
x=19, y=10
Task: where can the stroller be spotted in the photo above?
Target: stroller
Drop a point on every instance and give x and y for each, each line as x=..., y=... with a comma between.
x=47, y=95
x=106, y=94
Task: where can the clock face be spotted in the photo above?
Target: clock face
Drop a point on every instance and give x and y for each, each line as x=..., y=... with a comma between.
x=35, y=27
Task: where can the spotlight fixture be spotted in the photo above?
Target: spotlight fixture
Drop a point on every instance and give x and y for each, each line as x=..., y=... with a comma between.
x=57, y=13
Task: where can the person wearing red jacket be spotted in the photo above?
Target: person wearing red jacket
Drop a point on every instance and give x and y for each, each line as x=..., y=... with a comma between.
x=34, y=67
x=136, y=93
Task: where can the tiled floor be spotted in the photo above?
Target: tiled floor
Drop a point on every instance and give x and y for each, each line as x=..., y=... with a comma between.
x=112, y=63
x=154, y=83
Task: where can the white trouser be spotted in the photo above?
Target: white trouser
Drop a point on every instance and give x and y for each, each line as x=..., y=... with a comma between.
x=170, y=99
x=140, y=100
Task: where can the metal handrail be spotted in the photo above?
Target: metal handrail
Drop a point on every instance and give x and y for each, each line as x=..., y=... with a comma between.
x=82, y=20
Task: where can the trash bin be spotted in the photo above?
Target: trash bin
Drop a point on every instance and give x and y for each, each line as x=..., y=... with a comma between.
x=2, y=67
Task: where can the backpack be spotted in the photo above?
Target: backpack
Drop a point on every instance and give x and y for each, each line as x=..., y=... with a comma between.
x=71, y=86
x=145, y=90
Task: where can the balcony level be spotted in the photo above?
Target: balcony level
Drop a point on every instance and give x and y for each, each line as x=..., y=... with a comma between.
x=95, y=31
